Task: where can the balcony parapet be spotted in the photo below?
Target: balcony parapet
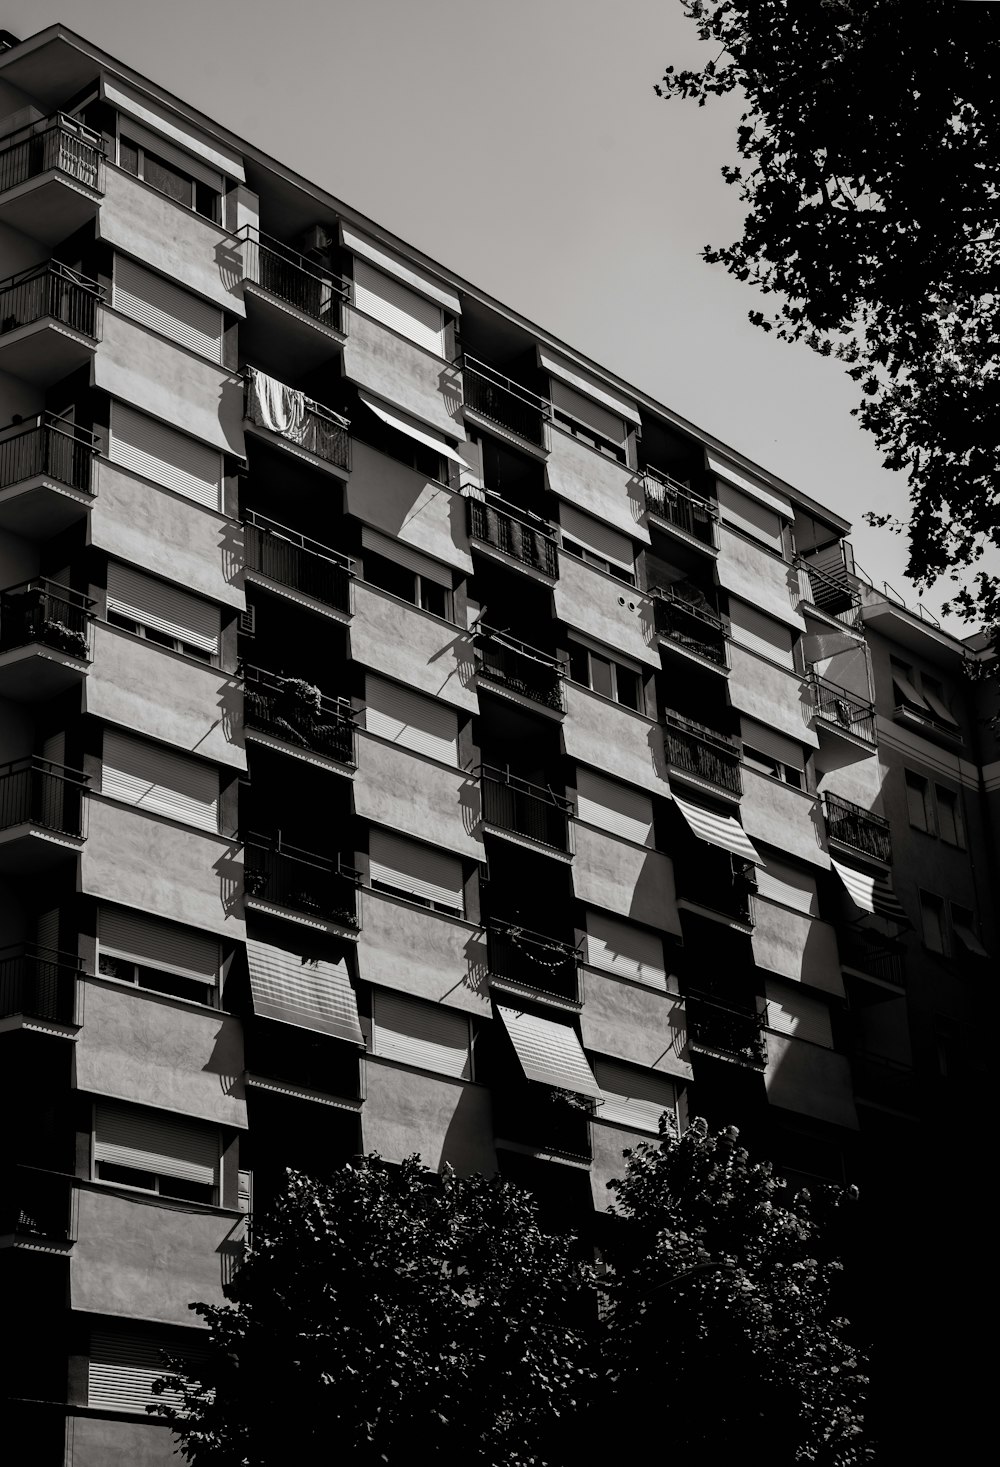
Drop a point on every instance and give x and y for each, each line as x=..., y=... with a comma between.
x=294, y=560
x=681, y=508
x=50, y=291
x=691, y=627
x=289, y=414
x=44, y=613
x=36, y=792
x=852, y=825
x=832, y=591
x=297, y=713
x=39, y=1211
x=47, y=447
x=520, y=668
x=301, y=882
x=501, y=400
x=867, y=952
x=704, y=753
x=279, y=271
x=40, y=984
x=59, y=144
x=532, y=964
x=841, y=710
x=533, y=811
x=725, y=1032
x=517, y=533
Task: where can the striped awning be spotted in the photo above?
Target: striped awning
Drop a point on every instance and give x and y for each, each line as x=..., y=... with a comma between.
x=311, y=995
x=550, y=1052
x=402, y=424
x=719, y=830
x=871, y=893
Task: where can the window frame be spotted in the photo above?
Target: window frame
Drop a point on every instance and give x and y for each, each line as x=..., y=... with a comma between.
x=953, y=801
x=172, y=986
x=157, y=1190
x=213, y=217
x=931, y=900
x=421, y=586
x=773, y=768
x=577, y=648
x=161, y=639
x=910, y=777
x=597, y=562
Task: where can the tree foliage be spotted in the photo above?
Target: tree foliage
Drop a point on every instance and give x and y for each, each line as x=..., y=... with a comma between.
x=869, y=151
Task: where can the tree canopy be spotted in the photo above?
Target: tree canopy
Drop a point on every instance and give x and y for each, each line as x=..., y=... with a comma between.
x=869, y=166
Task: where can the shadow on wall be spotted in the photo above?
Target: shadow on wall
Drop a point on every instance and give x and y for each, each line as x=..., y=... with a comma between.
x=467, y=1144
x=232, y=549
x=229, y=258
x=461, y=648
x=230, y=705
x=470, y=802
x=229, y=869
x=226, y=1060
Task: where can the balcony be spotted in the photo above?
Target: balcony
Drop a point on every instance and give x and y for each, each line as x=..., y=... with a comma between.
x=679, y=508
x=504, y=403
x=868, y=953
x=842, y=712
x=51, y=178
x=299, y=885
x=296, y=317
x=536, y=1118
x=521, y=809
x=859, y=829
x=522, y=538
x=702, y=753
x=532, y=965
x=693, y=629
x=830, y=588
x=43, y=813
x=284, y=561
x=725, y=1032
x=38, y=1212
x=520, y=668
x=298, y=717
x=49, y=322
x=45, y=639
x=287, y=417
x=39, y=986
x=716, y=885
x=46, y=475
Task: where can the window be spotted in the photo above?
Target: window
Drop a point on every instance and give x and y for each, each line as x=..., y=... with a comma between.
x=425, y=1035
x=932, y=922
x=625, y=950
x=610, y=679
x=589, y=421
x=162, y=306
x=918, y=801
x=395, y=305
x=614, y=807
x=154, y=778
x=423, y=874
x=126, y=1359
x=949, y=815
x=162, y=956
x=396, y=567
x=905, y=687
x=598, y=544
x=769, y=765
x=153, y=1151
x=739, y=512
x=406, y=718
x=572, y=547
x=162, y=613
x=963, y=925
x=153, y=451
x=760, y=633
x=934, y=695
x=634, y=1097
x=170, y=172
x=394, y=443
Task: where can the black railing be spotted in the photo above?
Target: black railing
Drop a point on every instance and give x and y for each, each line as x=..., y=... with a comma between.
x=289, y=414
x=529, y=959
x=34, y=791
x=543, y=1119
x=295, y=561
x=59, y=143
x=858, y=828
x=835, y=594
x=504, y=401
x=702, y=752
x=512, y=531
x=48, y=614
x=301, y=882
x=53, y=291
x=525, y=809
x=691, y=626
x=292, y=278
x=873, y=955
x=679, y=505
x=719, y=1029
x=39, y=983
x=520, y=667
x=836, y=706
x=713, y=879
x=47, y=447
x=297, y=712
x=39, y=1206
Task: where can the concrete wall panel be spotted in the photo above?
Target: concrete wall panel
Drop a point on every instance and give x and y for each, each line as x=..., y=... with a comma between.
x=100, y=1441
x=402, y=503
x=635, y=1024
x=625, y=879
x=418, y=650
x=414, y=796
x=784, y=817
x=444, y=1120
x=607, y=1145
x=809, y=1079
x=769, y=694
x=425, y=386
x=598, y=485
x=418, y=951
x=796, y=946
x=760, y=578
x=614, y=740
x=618, y=616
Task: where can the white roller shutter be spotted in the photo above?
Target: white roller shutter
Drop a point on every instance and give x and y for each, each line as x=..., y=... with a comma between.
x=634, y=1098
x=600, y=539
x=421, y=565
x=627, y=951
x=418, y=723
x=409, y=866
x=168, y=609
x=790, y=1011
x=614, y=807
x=164, y=307
x=780, y=883
x=393, y=303
x=748, y=515
x=161, y=147
x=155, y=944
x=608, y=425
x=751, y=628
x=152, y=1141
x=425, y=1035
x=123, y=1365
x=154, y=779
x=154, y=451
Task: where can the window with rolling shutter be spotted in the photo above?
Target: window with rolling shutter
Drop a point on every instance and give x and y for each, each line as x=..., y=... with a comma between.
x=414, y=870
x=627, y=951
x=778, y=882
x=163, y=956
x=403, y=554
x=154, y=451
x=614, y=807
x=424, y=1035
x=163, y=307
x=162, y=612
x=791, y=1011
x=742, y=513
x=587, y=412
x=602, y=545
x=153, y=778
x=124, y=1362
x=418, y=723
x=155, y=1152
x=394, y=304
x=633, y=1097
x=751, y=628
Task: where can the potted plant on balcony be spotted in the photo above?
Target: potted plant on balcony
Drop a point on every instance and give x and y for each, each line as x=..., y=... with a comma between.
x=297, y=710
x=55, y=633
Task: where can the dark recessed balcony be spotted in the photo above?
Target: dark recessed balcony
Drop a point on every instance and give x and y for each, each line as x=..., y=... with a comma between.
x=523, y=538
x=885, y=1083
x=297, y=714
x=287, y=417
x=296, y=318
x=39, y=986
x=531, y=964
x=51, y=178
x=860, y=829
x=504, y=402
x=45, y=639
x=278, y=557
x=704, y=754
x=829, y=587
x=43, y=811
x=38, y=1211
x=692, y=628
x=49, y=322
x=680, y=508
x=46, y=475
x=715, y=884
x=726, y=1032
x=520, y=668
x=538, y=1118
x=520, y=808
x=841, y=712
x=301, y=885
x=869, y=953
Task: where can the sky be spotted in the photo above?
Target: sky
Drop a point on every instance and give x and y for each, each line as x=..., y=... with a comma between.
x=521, y=144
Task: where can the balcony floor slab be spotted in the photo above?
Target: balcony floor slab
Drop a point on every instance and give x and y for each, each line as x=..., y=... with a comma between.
x=35, y=672
x=44, y=351
x=41, y=507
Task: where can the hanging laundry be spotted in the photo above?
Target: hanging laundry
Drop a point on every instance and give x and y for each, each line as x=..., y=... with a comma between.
x=274, y=406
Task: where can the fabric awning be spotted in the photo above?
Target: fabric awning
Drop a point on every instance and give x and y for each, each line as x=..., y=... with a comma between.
x=719, y=830
x=550, y=1052
x=906, y=691
x=310, y=995
x=406, y=425
x=871, y=893
x=969, y=940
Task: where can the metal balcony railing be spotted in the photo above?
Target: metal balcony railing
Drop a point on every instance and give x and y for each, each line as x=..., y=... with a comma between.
x=712, y=879
x=293, y=560
x=525, y=809
x=57, y=143
x=50, y=291
x=47, y=447
x=515, y=532
x=294, y=279
x=520, y=667
x=842, y=709
x=39, y=983
x=47, y=614
x=532, y=960
x=719, y=1029
x=297, y=418
x=679, y=505
x=858, y=828
x=831, y=591
x=871, y=954
x=39, y=1206
x=504, y=401
x=34, y=791
x=299, y=713
x=543, y=1119
x=701, y=751
x=301, y=881
x=689, y=625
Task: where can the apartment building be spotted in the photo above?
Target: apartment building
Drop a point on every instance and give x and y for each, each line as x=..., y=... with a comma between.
x=414, y=738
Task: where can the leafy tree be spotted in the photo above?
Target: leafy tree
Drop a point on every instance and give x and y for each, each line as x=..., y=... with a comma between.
x=870, y=170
